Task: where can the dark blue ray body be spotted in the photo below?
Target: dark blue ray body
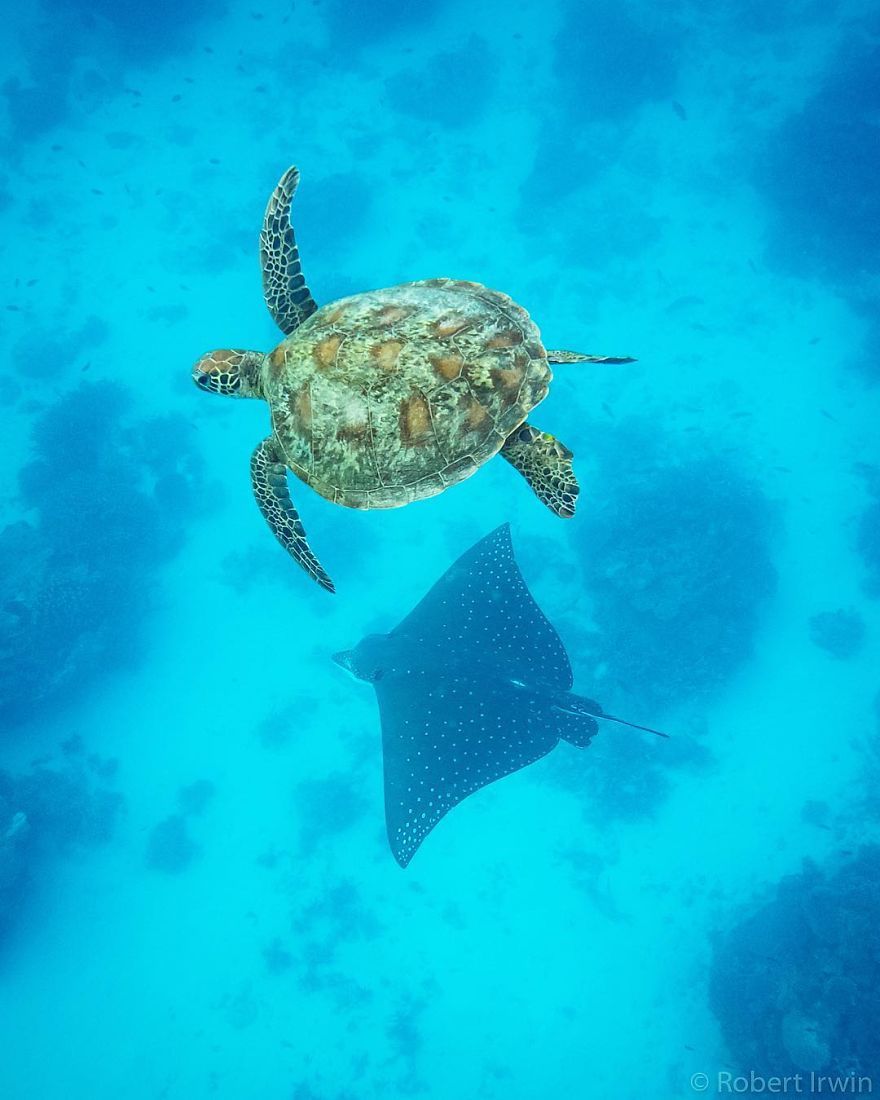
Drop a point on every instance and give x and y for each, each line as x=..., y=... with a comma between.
x=472, y=685
x=480, y=611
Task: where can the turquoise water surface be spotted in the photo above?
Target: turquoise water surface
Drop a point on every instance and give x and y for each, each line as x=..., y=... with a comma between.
x=197, y=896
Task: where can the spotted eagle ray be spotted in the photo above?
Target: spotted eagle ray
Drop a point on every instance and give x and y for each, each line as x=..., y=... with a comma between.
x=472, y=685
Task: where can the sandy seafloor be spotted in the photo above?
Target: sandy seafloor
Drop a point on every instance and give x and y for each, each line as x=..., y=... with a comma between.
x=544, y=942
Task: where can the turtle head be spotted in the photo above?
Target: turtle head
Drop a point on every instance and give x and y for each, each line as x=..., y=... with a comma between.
x=233, y=373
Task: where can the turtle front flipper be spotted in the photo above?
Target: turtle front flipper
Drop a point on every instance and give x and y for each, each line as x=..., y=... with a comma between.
x=269, y=477
x=580, y=357
x=546, y=465
x=284, y=286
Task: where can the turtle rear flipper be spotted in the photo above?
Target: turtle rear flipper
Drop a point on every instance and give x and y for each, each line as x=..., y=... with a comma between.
x=546, y=465
x=269, y=478
x=560, y=356
x=284, y=285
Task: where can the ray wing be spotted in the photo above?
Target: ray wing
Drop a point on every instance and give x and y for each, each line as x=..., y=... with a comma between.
x=480, y=607
x=443, y=739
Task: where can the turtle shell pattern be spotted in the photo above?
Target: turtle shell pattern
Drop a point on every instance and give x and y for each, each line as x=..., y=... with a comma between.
x=394, y=395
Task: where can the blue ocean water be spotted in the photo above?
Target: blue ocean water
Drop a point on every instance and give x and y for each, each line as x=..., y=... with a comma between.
x=197, y=898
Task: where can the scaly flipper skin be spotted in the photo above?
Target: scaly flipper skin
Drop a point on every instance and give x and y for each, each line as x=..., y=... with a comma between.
x=269, y=477
x=231, y=372
x=578, y=357
x=546, y=465
x=284, y=286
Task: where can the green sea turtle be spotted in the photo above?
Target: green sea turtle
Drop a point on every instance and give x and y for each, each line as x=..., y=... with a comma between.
x=392, y=395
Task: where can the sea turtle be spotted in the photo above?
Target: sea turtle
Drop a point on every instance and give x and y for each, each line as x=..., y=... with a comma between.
x=392, y=395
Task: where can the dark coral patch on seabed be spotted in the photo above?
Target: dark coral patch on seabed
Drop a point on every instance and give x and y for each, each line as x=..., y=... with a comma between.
x=72, y=55
x=610, y=59
x=170, y=848
x=841, y=633
x=820, y=169
x=868, y=532
x=450, y=90
x=796, y=984
x=676, y=558
x=108, y=497
x=47, y=813
x=357, y=26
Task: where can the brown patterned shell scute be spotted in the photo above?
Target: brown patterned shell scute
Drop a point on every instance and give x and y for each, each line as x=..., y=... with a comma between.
x=394, y=395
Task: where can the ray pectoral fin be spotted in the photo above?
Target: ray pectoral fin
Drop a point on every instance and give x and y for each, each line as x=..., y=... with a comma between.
x=483, y=599
x=546, y=465
x=269, y=478
x=443, y=738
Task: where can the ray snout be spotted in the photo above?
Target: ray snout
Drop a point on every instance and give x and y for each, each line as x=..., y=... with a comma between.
x=345, y=659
